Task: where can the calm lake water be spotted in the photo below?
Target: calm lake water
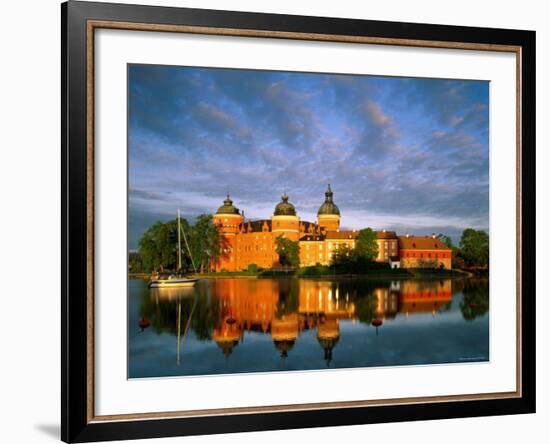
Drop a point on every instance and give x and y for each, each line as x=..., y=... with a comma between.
x=258, y=325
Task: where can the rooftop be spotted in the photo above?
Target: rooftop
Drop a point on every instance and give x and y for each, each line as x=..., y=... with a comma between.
x=421, y=243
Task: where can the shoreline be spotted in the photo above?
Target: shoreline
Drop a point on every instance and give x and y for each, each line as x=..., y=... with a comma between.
x=374, y=275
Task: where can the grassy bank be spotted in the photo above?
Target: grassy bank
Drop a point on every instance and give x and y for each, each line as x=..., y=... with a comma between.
x=325, y=271
x=394, y=273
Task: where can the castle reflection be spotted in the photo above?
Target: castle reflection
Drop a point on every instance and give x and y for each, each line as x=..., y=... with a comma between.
x=284, y=309
x=243, y=324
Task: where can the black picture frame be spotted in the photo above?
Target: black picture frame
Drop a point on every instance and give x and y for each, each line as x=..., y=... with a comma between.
x=77, y=328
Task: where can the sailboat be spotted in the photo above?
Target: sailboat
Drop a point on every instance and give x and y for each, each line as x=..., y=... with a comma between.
x=176, y=281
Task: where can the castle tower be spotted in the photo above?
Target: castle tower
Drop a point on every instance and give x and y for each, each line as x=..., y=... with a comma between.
x=328, y=335
x=228, y=221
x=285, y=221
x=328, y=215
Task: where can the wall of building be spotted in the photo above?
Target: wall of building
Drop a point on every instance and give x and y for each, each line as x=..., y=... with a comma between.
x=242, y=247
x=329, y=221
x=312, y=253
x=256, y=248
x=426, y=258
x=387, y=248
x=289, y=226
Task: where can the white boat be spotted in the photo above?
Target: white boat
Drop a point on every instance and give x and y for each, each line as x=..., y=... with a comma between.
x=175, y=281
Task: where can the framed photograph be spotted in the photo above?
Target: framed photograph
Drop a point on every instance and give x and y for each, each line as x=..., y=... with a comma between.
x=276, y=221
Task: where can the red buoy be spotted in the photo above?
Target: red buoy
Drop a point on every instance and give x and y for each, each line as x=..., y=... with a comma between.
x=144, y=323
x=377, y=323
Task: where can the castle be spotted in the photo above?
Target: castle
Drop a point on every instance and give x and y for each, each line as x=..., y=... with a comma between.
x=254, y=242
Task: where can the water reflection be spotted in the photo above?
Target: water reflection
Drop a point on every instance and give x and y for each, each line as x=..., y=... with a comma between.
x=225, y=311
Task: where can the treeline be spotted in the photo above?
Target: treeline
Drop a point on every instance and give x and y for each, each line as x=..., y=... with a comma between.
x=158, y=246
x=472, y=250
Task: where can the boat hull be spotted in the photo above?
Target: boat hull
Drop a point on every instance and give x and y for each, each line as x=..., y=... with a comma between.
x=172, y=283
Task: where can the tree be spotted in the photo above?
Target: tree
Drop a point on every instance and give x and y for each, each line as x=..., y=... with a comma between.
x=457, y=260
x=366, y=246
x=135, y=263
x=342, y=255
x=446, y=240
x=158, y=245
x=204, y=242
x=474, y=247
x=288, y=251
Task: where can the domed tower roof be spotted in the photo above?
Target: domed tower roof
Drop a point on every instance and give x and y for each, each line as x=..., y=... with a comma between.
x=328, y=345
x=227, y=346
x=284, y=346
x=328, y=207
x=227, y=207
x=284, y=208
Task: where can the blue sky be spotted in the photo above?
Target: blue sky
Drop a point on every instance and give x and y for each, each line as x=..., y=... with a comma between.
x=405, y=154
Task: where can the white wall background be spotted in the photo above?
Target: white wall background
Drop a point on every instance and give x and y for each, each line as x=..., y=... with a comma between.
x=30, y=221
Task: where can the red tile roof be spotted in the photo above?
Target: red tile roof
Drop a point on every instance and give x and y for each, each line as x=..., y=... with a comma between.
x=421, y=243
x=386, y=234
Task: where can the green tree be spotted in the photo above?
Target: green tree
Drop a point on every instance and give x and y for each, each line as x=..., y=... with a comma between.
x=457, y=256
x=204, y=242
x=135, y=263
x=342, y=255
x=446, y=240
x=366, y=246
x=288, y=251
x=157, y=247
x=474, y=247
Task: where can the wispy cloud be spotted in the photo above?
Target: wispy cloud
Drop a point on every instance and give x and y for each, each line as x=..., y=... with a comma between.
x=401, y=153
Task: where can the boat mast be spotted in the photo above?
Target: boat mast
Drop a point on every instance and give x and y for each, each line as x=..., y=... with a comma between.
x=179, y=243
x=188, y=249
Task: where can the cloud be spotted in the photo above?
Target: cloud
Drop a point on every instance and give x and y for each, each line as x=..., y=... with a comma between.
x=399, y=152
